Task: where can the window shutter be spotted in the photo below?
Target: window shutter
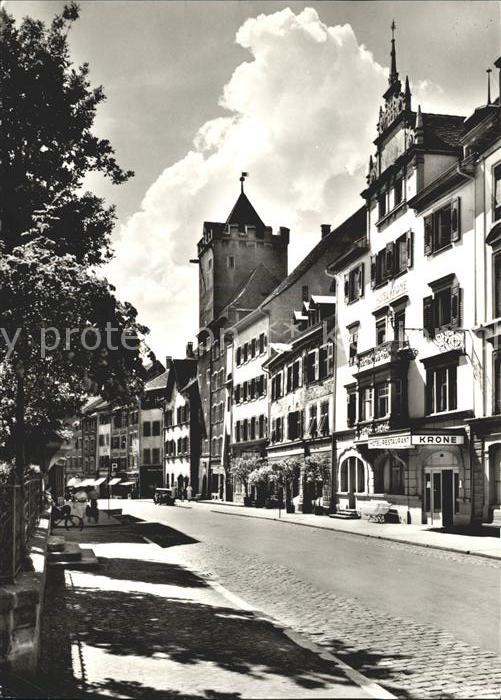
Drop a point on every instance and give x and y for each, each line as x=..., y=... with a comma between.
x=388, y=261
x=410, y=236
x=455, y=220
x=347, y=287
x=456, y=306
x=428, y=234
x=373, y=270
x=361, y=280
x=428, y=320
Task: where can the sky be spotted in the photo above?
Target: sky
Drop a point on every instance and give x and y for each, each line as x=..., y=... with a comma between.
x=287, y=91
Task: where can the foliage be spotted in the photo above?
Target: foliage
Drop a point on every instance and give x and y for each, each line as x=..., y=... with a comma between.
x=42, y=291
x=287, y=469
x=48, y=148
x=242, y=468
x=262, y=475
x=317, y=468
x=52, y=234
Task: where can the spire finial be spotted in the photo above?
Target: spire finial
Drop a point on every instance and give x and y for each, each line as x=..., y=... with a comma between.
x=393, y=69
x=488, y=71
x=242, y=180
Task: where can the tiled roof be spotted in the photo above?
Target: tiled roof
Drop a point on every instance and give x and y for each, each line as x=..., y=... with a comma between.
x=442, y=131
x=350, y=230
x=252, y=291
x=244, y=214
x=158, y=382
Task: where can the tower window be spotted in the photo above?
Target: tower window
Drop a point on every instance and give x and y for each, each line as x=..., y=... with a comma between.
x=305, y=294
x=230, y=262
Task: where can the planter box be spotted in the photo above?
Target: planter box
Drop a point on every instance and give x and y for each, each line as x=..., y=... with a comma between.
x=290, y=508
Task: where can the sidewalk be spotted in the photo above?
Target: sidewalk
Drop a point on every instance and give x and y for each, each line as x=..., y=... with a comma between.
x=146, y=626
x=484, y=544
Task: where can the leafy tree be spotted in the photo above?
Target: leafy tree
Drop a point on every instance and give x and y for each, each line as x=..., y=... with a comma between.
x=287, y=470
x=242, y=468
x=47, y=144
x=72, y=338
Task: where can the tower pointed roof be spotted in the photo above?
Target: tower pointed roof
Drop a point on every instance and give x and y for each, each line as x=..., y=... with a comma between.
x=243, y=214
x=394, y=84
x=393, y=69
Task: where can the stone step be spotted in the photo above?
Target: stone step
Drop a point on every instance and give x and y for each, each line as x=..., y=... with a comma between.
x=55, y=543
x=70, y=552
x=88, y=560
x=346, y=514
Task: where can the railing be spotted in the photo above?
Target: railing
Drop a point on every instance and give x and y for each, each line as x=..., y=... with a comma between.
x=381, y=354
x=13, y=500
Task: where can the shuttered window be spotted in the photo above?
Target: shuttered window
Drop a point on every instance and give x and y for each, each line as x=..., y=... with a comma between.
x=442, y=227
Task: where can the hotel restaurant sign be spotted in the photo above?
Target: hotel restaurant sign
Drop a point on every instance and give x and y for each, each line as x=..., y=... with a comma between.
x=407, y=441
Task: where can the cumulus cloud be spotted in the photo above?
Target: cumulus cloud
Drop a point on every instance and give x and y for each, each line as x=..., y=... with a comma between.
x=300, y=119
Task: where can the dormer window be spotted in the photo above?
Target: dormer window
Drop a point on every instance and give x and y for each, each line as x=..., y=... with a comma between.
x=442, y=227
x=233, y=228
x=381, y=202
x=497, y=193
x=398, y=191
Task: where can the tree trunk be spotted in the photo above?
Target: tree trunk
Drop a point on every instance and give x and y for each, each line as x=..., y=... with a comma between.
x=20, y=457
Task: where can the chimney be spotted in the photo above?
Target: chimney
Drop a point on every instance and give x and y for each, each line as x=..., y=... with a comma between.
x=189, y=350
x=325, y=229
x=168, y=361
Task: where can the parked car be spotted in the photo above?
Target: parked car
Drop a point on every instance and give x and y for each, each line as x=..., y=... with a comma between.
x=164, y=497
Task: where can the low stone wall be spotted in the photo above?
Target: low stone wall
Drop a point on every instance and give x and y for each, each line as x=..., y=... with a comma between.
x=21, y=606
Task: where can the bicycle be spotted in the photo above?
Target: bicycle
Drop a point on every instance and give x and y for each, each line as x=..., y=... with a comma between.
x=64, y=515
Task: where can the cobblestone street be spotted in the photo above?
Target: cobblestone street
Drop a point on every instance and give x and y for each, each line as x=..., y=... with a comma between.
x=406, y=657
x=145, y=626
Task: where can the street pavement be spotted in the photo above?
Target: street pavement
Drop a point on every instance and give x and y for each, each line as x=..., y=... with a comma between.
x=420, y=622
x=146, y=625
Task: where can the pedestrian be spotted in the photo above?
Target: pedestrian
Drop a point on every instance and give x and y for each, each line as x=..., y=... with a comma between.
x=189, y=492
x=184, y=494
x=92, y=509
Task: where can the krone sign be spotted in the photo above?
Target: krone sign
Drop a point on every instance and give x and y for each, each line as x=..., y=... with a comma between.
x=438, y=439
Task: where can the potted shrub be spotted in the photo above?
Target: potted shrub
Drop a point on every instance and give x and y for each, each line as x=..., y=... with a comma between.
x=240, y=470
x=286, y=471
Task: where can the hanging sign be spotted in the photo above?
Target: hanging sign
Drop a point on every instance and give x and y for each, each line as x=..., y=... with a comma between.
x=393, y=441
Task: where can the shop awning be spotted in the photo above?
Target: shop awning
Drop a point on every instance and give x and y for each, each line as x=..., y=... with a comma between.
x=86, y=482
x=73, y=481
x=100, y=481
x=128, y=483
x=114, y=482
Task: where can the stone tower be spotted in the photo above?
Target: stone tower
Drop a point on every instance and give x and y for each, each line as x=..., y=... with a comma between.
x=229, y=252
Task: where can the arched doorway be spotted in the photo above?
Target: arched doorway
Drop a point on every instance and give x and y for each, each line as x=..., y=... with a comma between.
x=352, y=479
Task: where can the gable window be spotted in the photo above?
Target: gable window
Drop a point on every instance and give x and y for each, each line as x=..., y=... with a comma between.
x=354, y=284
x=497, y=382
x=365, y=411
x=399, y=325
x=442, y=227
x=497, y=192
x=441, y=388
x=497, y=283
x=295, y=425
x=398, y=191
x=312, y=366
x=262, y=343
x=381, y=202
x=443, y=308
x=382, y=400
x=353, y=349
x=276, y=387
x=294, y=375
x=323, y=426
x=262, y=426
x=312, y=421
x=351, y=407
x=381, y=331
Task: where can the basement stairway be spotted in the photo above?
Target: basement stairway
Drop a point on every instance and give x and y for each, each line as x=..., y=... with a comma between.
x=346, y=514
x=69, y=555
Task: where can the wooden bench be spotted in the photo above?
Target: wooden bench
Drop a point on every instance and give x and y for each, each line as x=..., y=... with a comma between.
x=378, y=511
